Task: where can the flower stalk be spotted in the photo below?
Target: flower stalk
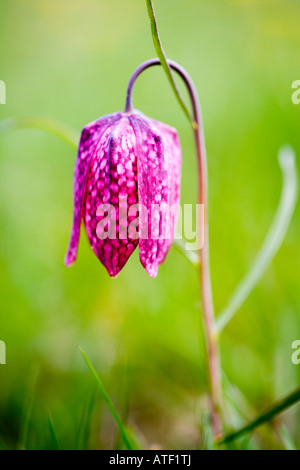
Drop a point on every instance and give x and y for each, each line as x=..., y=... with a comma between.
x=213, y=356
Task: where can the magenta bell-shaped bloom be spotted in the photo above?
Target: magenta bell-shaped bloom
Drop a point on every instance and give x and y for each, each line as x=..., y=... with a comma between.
x=125, y=160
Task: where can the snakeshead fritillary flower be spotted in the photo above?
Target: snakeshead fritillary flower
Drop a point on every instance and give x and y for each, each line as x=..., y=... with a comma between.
x=125, y=159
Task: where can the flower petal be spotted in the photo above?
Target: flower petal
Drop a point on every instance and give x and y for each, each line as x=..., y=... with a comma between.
x=90, y=136
x=159, y=169
x=111, y=188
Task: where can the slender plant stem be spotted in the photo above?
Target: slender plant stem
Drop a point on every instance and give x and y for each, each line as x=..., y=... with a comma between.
x=205, y=278
x=273, y=240
x=163, y=59
x=265, y=417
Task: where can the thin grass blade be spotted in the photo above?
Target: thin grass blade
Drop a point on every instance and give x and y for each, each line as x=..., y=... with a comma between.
x=108, y=401
x=85, y=422
x=54, y=440
x=264, y=418
x=273, y=240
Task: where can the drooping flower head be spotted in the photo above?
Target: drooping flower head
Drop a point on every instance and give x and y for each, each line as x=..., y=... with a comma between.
x=126, y=190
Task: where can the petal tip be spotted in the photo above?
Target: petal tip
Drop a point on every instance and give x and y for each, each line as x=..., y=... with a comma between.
x=70, y=259
x=150, y=268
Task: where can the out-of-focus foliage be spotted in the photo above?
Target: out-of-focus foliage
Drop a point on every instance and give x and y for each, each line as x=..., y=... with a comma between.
x=71, y=61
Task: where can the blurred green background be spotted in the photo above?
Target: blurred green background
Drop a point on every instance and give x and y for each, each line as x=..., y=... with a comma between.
x=71, y=60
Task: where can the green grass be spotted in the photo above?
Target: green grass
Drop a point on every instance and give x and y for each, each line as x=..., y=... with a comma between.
x=144, y=335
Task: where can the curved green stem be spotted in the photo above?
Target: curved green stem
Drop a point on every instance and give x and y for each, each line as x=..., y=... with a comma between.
x=273, y=239
x=164, y=62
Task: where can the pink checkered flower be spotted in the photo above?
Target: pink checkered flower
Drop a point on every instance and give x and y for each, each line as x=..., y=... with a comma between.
x=126, y=165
